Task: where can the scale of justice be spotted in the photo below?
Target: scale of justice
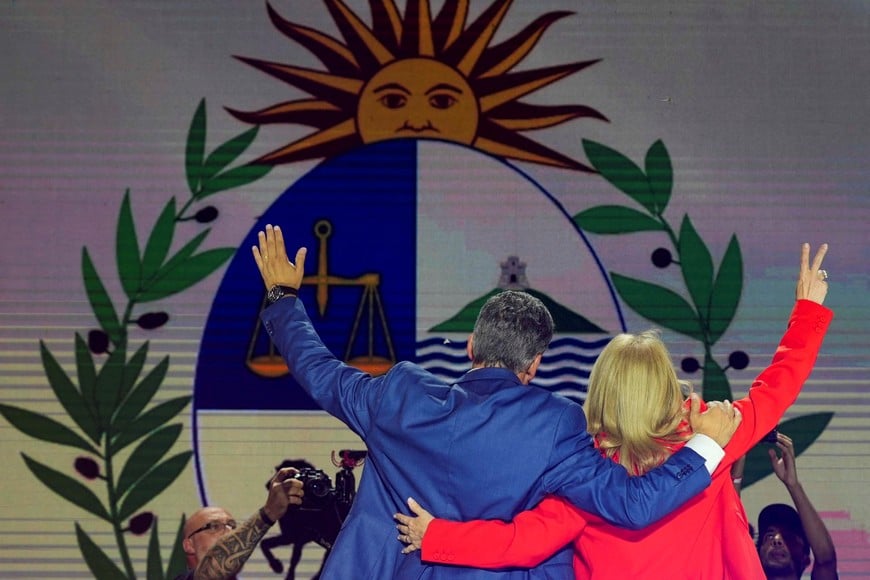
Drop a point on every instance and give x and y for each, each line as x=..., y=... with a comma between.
x=370, y=308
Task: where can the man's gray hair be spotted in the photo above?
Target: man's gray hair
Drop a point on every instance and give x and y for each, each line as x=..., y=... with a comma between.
x=511, y=330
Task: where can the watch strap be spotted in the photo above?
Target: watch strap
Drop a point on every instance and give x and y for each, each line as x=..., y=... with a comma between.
x=279, y=291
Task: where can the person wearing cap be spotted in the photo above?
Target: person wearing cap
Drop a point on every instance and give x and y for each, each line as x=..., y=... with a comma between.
x=787, y=536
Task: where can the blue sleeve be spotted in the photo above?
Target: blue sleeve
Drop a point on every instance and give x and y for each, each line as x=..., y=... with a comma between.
x=343, y=391
x=596, y=484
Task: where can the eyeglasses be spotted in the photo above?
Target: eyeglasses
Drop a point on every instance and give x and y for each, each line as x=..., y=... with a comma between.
x=216, y=526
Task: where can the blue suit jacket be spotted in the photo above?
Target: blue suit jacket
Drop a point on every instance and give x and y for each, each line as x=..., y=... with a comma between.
x=484, y=447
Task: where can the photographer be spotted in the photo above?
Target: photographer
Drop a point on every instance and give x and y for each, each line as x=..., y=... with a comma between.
x=785, y=535
x=216, y=549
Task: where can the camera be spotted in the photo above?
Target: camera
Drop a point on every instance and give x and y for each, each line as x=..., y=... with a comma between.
x=318, y=489
x=770, y=438
x=324, y=506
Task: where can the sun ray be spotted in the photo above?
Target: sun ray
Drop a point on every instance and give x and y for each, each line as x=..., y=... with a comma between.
x=386, y=23
x=480, y=33
x=449, y=23
x=524, y=117
x=332, y=53
x=320, y=84
x=504, y=143
x=410, y=75
x=499, y=90
x=311, y=112
x=501, y=58
x=325, y=143
x=417, y=30
x=370, y=51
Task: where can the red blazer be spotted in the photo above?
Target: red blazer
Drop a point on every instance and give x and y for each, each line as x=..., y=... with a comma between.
x=706, y=538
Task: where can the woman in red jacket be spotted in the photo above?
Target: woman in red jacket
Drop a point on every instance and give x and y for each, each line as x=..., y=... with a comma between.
x=636, y=411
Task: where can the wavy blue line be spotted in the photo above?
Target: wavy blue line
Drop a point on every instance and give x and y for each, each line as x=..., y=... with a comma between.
x=556, y=343
x=427, y=342
x=544, y=374
x=549, y=359
x=569, y=340
x=447, y=358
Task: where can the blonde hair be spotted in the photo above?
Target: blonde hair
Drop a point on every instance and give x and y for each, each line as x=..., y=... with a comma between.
x=635, y=401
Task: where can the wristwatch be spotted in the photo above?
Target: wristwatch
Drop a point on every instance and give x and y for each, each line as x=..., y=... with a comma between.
x=279, y=291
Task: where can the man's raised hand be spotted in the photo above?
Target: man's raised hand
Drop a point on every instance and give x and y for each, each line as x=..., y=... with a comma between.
x=271, y=258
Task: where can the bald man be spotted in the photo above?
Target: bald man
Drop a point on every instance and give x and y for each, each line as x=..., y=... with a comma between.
x=216, y=547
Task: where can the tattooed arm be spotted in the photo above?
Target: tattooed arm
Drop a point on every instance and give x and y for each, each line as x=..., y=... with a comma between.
x=225, y=559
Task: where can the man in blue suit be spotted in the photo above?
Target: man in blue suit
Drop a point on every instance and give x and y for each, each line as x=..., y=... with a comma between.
x=487, y=446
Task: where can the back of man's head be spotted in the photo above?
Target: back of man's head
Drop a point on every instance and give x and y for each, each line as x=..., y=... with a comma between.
x=511, y=330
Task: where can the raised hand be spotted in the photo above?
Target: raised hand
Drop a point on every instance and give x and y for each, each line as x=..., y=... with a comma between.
x=784, y=466
x=812, y=283
x=272, y=261
x=284, y=490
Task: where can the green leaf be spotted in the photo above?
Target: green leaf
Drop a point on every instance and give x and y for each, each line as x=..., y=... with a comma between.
x=102, y=567
x=177, y=563
x=87, y=385
x=67, y=488
x=803, y=430
x=44, y=428
x=68, y=395
x=235, y=177
x=227, y=153
x=660, y=174
x=715, y=385
x=154, y=569
x=127, y=249
x=187, y=274
x=727, y=289
x=153, y=483
x=656, y=303
x=149, y=421
x=158, y=243
x=615, y=219
x=621, y=172
x=109, y=381
x=140, y=397
x=697, y=267
x=132, y=371
x=195, y=150
x=146, y=455
x=185, y=252
x=101, y=304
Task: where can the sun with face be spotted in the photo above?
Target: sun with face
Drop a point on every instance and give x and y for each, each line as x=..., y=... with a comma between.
x=418, y=76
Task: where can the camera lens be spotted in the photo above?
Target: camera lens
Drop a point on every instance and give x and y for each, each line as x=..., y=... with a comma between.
x=318, y=487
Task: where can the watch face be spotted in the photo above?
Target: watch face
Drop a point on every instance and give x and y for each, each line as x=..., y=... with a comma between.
x=274, y=294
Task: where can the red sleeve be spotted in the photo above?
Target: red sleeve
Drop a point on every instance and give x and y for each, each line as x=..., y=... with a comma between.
x=778, y=386
x=532, y=537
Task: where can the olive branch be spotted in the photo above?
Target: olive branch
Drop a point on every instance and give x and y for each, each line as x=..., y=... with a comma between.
x=713, y=292
x=110, y=399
